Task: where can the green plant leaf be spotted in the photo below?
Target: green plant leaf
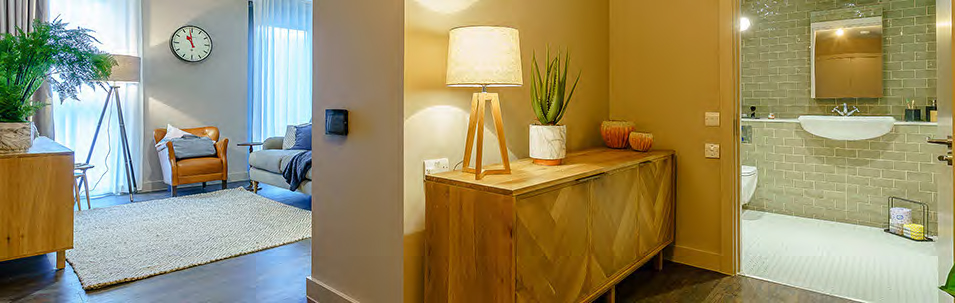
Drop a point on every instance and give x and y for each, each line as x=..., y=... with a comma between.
x=535, y=91
x=549, y=96
x=67, y=59
x=569, y=97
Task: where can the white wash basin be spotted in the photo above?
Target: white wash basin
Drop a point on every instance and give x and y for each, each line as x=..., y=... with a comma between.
x=847, y=128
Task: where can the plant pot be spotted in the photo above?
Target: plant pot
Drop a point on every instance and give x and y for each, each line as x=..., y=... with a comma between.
x=548, y=144
x=641, y=142
x=16, y=137
x=616, y=133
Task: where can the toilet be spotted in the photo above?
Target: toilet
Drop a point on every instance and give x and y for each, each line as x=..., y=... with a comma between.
x=748, y=183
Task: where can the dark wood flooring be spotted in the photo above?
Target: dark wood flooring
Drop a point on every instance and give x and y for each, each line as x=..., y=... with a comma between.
x=278, y=275
x=273, y=275
x=682, y=283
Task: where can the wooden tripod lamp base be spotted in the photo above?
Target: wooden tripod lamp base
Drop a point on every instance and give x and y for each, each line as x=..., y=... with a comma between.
x=476, y=127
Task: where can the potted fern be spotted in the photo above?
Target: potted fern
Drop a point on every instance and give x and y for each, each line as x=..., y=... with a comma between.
x=66, y=58
x=549, y=99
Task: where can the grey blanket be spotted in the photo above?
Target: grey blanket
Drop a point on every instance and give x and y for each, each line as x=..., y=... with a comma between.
x=191, y=146
x=297, y=170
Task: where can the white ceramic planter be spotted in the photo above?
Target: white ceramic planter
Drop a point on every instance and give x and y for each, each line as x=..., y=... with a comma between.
x=548, y=144
x=16, y=137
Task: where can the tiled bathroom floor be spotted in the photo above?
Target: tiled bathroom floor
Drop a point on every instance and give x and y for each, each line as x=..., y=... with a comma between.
x=851, y=261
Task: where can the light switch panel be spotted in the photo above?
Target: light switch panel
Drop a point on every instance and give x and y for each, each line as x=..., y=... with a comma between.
x=712, y=119
x=712, y=151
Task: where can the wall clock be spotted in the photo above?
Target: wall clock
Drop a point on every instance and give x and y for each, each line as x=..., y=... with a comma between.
x=191, y=43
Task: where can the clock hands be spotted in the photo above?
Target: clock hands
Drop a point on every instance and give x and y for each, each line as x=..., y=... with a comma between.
x=190, y=39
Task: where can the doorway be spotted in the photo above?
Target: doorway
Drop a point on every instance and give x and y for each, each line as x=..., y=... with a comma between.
x=838, y=99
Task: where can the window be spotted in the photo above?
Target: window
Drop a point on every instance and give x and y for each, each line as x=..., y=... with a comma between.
x=117, y=25
x=281, y=74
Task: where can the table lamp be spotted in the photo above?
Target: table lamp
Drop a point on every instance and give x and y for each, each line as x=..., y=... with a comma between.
x=484, y=56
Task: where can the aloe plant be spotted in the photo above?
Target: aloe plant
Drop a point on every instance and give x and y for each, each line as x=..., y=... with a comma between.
x=549, y=95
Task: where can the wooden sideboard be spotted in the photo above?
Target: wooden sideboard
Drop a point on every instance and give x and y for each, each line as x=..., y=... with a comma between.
x=555, y=234
x=36, y=202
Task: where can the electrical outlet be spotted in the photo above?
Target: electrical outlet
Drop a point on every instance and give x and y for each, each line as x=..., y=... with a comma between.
x=712, y=151
x=712, y=119
x=436, y=166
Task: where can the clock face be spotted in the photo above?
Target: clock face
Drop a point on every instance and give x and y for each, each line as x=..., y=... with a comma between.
x=191, y=44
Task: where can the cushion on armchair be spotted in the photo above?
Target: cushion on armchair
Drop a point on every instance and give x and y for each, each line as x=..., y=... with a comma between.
x=192, y=146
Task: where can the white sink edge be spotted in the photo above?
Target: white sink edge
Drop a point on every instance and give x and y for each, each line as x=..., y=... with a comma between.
x=852, y=128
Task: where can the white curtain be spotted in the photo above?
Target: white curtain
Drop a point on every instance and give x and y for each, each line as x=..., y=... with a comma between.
x=117, y=25
x=281, y=90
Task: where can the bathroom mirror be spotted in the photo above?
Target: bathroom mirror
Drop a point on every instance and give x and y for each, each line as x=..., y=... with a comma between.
x=847, y=59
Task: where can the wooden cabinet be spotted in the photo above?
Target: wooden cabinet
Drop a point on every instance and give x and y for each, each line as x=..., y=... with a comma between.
x=36, y=202
x=547, y=234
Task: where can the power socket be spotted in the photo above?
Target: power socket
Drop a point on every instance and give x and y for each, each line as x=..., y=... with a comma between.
x=712, y=151
x=436, y=166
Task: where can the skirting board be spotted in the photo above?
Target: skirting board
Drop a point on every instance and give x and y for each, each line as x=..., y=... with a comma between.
x=697, y=258
x=318, y=292
x=151, y=186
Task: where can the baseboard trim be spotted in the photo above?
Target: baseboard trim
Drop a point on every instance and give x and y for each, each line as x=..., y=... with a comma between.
x=318, y=292
x=154, y=186
x=697, y=258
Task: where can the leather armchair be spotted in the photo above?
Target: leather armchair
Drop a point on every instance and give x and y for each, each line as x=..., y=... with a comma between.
x=195, y=170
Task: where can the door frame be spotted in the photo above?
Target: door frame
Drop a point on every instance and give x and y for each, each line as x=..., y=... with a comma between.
x=729, y=103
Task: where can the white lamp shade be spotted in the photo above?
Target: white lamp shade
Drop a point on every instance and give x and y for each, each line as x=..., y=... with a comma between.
x=127, y=69
x=484, y=56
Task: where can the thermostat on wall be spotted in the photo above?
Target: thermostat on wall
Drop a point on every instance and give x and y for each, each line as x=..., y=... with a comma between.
x=336, y=122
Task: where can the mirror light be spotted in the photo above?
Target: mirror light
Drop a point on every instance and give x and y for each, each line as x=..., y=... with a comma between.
x=840, y=32
x=744, y=24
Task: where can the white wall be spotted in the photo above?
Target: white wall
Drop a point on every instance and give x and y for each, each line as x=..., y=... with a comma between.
x=210, y=93
x=357, y=210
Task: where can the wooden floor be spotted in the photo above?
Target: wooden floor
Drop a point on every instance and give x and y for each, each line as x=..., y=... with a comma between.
x=273, y=275
x=681, y=283
x=278, y=275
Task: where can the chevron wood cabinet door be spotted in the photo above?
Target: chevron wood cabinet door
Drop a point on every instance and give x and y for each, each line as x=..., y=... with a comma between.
x=559, y=234
x=613, y=228
x=551, y=245
x=656, y=197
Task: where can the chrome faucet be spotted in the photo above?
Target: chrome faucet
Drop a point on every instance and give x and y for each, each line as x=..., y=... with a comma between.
x=845, y=110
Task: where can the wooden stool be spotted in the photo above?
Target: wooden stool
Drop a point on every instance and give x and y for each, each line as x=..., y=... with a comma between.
x=79, y=177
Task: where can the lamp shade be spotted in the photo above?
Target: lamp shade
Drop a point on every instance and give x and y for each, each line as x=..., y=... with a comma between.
x=484, y=56
x=126, y=70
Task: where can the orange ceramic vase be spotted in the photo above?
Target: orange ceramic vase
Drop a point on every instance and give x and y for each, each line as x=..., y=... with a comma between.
x=616, y=133
x=641, y=142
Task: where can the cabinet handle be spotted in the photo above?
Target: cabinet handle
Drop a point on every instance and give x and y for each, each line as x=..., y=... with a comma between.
x=594, y=177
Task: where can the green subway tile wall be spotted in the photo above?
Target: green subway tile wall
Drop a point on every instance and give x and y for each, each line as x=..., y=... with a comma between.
x=776, y=68
x=844, y=181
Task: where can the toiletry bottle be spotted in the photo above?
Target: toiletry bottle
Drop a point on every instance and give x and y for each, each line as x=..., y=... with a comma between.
x=931, y=112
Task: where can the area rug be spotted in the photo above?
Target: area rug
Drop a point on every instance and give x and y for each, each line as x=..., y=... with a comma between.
x=139, y=240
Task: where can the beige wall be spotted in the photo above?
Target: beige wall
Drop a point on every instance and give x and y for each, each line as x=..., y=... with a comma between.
x=436, y=116
x=666, y=72
x=357, y=201
x=210, y=93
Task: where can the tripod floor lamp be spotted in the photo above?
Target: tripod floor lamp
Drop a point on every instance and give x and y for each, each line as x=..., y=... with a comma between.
x=127, y=70
x=484, y=56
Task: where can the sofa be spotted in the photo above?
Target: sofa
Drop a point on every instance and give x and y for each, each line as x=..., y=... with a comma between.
x=268, y=165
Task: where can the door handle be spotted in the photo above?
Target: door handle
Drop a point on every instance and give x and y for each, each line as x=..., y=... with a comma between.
x=947, y=142
x=946, y=158
x=590, y=178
